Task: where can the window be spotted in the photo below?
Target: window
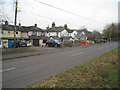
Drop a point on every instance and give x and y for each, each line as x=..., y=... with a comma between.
x=75, y=34
x=44, y=41
x=42, y=33
x=34, y=33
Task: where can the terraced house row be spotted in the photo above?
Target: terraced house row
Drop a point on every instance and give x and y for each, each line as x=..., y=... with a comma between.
x=37, y=36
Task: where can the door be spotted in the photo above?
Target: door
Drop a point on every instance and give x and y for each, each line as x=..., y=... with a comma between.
x=10, y=43
x=35, y=42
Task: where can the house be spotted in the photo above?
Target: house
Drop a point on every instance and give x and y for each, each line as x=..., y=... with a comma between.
x=71, y=32
x=7, y=34
x=54, y=32
x=83, y=34
x=61, y=32
x=34, y=34
x=37, y=36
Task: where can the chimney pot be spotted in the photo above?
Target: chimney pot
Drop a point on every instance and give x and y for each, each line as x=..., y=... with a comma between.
x=53, y=24
x=19, y=24
x=65, y=26
x=6, y=22
x=36, y=25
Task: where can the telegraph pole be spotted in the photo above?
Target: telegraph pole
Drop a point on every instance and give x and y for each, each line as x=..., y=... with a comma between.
x=15, y=23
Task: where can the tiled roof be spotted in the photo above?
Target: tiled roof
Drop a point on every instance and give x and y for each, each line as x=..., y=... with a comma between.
x=13, y=38
x=59, y=29
x=55, y=29
x=11, y=28
x=54, y=37
x=69, y=30
x=66, y=37
x=21, y=28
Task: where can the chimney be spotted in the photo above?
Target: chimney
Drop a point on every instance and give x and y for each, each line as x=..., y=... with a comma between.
x=65, y=26
x=19, y=24
x=36, y=25
x=53, y=24
x=6, y=22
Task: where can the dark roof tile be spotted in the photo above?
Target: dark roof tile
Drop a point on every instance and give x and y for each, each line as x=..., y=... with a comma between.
x=21, y=28
x=55, y=29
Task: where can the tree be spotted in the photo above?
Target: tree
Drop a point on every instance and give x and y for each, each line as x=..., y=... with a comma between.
x=111, y=31
x=96, y=35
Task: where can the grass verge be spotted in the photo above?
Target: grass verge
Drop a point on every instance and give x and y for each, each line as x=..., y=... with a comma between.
x=100, y=72
x=17, y=50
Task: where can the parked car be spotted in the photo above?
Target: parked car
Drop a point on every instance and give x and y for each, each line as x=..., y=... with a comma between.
x=23, y=43
x=82, y=42
x=17, y=44
x=20, y=43
x=29, y=43
x=53, y=43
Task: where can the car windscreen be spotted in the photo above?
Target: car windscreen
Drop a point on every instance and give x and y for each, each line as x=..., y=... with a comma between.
x=56, y=41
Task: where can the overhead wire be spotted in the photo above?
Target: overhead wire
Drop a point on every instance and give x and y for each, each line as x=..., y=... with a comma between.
x=34, y=15
x=86, y=18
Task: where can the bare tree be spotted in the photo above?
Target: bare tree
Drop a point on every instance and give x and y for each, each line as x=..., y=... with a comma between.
x=111, y=31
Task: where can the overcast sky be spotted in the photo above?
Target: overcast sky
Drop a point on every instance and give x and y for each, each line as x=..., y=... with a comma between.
x=92, y=14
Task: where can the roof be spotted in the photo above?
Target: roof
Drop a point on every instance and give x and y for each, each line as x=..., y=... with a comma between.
x=66, y=37
x=69, y=30
x=55, y=29
x=13, y=38
x=22, y=28
x=11, y=27
x=33, y=28
x=54, y=37
x=59, y=29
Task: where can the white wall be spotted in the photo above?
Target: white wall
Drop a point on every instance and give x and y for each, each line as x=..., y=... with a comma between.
x=73, y=34
x=59, y=34
x=64, y=33
x=52, y=34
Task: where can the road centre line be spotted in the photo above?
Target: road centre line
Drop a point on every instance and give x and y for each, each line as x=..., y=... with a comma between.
x=76, y=54
x=7, y=69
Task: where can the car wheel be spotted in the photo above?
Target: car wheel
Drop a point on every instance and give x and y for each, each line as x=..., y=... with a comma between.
x=55, y=45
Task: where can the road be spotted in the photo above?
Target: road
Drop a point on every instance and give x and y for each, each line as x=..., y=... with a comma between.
x=17, y=73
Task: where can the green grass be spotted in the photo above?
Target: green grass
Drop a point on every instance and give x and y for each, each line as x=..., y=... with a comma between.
x=100, y=72
x=17, y=50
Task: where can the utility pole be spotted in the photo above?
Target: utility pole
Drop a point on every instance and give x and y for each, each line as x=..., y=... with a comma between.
x=15, y=24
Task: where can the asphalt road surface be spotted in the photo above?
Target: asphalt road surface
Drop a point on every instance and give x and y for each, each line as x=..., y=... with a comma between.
x=17, y=73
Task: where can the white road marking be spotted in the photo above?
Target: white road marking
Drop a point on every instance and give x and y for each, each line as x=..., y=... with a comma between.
x=76, y=54
x=7, y=69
